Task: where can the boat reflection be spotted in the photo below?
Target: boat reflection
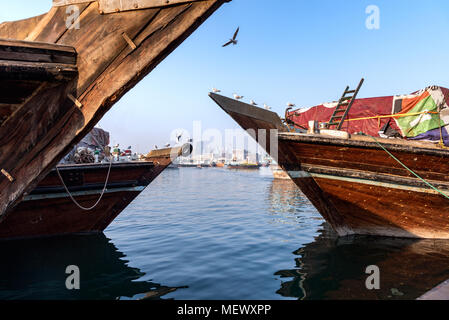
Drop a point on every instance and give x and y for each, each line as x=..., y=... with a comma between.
x=285, y=197
x=334, y=268
x=35, y=269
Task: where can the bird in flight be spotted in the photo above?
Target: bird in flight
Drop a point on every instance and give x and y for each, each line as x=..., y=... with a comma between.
x=215, y=90
x=289, y=104
x=234, y=40
x=178, y=137
x=237, y=97
x=253, y=103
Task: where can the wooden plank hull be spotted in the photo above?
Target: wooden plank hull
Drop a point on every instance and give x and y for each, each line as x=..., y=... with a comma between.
x=48, y=210
x=115, y=51
x=357, y=187
x=365, y=191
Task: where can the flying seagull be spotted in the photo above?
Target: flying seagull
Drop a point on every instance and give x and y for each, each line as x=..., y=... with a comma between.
x=234, y=40
x=178, y=137
x=216, y=90
x=289, y=104
x=266, y=106
x=237, y=97
x=167, y=145
x=253, y=103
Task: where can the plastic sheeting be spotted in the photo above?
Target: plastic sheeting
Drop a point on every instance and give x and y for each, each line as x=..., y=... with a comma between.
x=361, y=108
x=429, y=99
x=97, y=138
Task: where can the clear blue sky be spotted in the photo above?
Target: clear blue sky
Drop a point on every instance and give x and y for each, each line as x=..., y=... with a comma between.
x=301, y=51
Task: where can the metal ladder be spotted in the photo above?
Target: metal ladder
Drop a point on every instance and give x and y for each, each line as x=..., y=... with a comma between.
x=343, y=107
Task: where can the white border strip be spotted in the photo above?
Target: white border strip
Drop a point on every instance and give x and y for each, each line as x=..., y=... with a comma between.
x=303, y=174
x=33, y=197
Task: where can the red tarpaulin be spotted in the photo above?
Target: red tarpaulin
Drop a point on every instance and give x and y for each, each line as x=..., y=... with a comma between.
x=361, y=108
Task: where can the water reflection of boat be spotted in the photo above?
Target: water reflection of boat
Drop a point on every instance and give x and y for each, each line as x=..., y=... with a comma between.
x=279, y=173
x=90, y=198
x=285, y=197
x=334, y=268
x=104, y=273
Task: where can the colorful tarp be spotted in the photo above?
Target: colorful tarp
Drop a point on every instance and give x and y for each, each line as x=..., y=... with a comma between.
x=422, y=107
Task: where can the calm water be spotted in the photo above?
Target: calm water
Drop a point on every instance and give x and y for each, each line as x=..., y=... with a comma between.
x=220, y=234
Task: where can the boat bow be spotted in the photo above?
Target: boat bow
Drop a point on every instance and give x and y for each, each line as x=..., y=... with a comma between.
x=115, y=50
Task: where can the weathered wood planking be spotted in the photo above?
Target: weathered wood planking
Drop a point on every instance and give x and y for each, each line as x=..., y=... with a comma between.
x=431, y=167
x=111, y=6
x=108, y=67
x=20, y=29
x=114, y=6
x=60, y=3
x=48, y=210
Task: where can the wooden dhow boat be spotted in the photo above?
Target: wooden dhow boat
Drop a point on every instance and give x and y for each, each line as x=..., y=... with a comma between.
x=63, y=70
x=364, y=184
x=85, y=198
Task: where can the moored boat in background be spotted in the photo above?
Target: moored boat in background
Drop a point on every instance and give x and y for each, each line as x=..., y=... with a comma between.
x=84, y=198
x=243, y=165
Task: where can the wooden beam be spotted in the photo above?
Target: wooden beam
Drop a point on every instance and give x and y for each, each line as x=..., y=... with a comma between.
x=112, y=6
x=36, y=52
x=18, y=70
x=60, y=3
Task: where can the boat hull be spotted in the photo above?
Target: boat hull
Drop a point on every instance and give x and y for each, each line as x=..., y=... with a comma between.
x=361, y=189
x=49, y=210
x=356, y=185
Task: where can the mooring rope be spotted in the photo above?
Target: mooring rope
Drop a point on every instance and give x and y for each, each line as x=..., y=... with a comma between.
x=102, y=193
x=408, y=169
x=397, y=115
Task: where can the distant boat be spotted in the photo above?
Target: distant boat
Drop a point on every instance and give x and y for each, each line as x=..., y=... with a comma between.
x=244, y=165
x=187, y=165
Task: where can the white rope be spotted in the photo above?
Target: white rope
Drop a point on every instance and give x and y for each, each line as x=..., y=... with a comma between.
x=102, y=193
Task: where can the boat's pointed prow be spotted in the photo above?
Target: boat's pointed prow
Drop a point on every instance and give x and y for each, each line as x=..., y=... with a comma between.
x=263, y=125
x=249, y=116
